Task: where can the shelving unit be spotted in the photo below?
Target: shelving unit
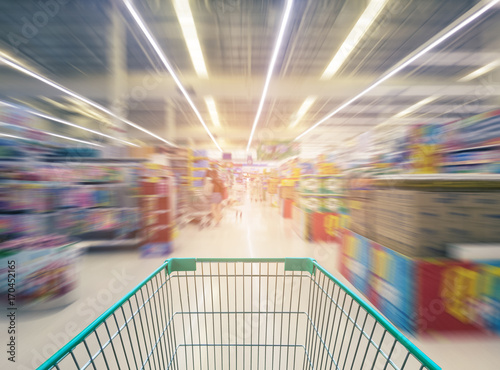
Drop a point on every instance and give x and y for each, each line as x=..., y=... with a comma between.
x=196, y=181
x=179, y=165
x=158, y=216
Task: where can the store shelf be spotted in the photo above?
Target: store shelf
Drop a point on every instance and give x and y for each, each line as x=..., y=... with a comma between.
x=110, y=243
x=466, y=163
x=479, y=147
x=322, y=194
x=334, y=175
x=99, y=160
x=440, y=177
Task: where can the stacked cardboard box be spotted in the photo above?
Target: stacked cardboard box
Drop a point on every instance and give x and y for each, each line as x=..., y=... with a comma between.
x=409, y=221
x=360, y=204
x=421, y=223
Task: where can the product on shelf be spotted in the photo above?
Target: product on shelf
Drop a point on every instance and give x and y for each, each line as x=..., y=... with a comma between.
x=157, y=209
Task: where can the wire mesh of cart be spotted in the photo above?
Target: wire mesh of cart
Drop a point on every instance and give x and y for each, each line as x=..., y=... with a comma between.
x=240, y=314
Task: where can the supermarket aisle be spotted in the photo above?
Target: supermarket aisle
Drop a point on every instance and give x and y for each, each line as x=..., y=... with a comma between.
x=106, y=276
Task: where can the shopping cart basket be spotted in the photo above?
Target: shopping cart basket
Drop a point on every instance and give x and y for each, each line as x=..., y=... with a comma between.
x=240, y=314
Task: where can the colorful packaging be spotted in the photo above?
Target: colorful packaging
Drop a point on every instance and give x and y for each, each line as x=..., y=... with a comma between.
x=356, y=258
x=310, y=184
x=392, y=285
x=447, y=297
x=488, y=289
x=325, y=227
x=331, y=204
x=331, y=185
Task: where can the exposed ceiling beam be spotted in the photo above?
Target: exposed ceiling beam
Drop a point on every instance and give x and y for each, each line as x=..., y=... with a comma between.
x=143, y=87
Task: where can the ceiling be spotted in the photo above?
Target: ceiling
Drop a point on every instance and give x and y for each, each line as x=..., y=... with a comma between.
x=95, y=48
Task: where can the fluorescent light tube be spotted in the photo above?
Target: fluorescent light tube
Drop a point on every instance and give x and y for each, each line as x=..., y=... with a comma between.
x=402, y=66
x=17, y=66
x=55, y=119
x=415, y=107
x=212, y=109
x=481, y=71
x=303, y=110
x=142, y=25
x=362, y=25
x=284, y=21
x=185, y=17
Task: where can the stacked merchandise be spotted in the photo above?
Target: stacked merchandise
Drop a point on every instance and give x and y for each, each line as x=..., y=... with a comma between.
x=472, y=145
x=158, y=223
x=272, y=190
x=46, y=269
x=179, y=165
x=321, y=199
x=287, y=192
x=42, y=194
x=199, y=165
x=44, y=263
x=288, y=196
x=99, y=204
x=77, y=200
x=426, y=245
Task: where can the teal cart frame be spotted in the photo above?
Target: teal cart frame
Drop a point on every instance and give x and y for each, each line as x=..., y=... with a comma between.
x=226, y=313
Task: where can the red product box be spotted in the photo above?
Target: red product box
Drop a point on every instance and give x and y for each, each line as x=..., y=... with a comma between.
x=163, y=203
x=164, y=218
x=148, y=188
x=325, y=227
x=447, y=297
x=287, y=208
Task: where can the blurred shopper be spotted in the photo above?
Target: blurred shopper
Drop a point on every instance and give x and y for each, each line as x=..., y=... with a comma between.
x=214, y=188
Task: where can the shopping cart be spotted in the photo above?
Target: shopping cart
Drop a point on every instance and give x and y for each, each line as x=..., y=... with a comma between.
x=240, y=314
x=197, y=209
x=235, y=200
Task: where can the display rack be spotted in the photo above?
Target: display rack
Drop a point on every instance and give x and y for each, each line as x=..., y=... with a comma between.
x=114, y=214
x=158, y=216
x=199, y=165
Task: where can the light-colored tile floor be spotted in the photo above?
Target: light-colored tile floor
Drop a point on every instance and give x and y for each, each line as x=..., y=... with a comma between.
x=107, y=276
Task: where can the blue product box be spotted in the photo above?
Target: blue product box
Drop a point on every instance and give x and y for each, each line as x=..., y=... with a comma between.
x=489, y=295
x=398, y=294
x=156, y=249
x=199, y=173
x=199, y=153
x=358, y=263
x=201, y=164
x=198, y=183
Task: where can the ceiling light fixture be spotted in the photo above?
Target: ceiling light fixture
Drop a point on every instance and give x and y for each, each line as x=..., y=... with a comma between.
x=55, y=119
x=11, y=62
x=167, y=65
x=475, y=15
x=212, y=109
x=284, y=21
x=303, y=110
x=185, y=17
x=415, y=107
x=362, y=25
x=481, y=71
